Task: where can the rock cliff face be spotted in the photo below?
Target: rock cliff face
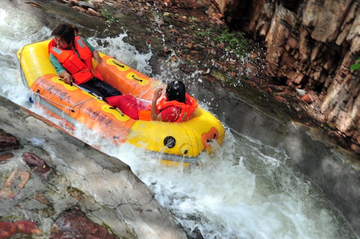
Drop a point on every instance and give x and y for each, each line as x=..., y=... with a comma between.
x=311, y=45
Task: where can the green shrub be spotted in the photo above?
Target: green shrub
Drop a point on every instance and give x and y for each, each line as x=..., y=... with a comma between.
x=356, y=66
x=107, y=15
x=233, y=41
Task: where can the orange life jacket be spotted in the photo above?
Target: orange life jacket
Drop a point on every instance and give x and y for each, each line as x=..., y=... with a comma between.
x=81, y=68
x=52, y=44
x=187, y=109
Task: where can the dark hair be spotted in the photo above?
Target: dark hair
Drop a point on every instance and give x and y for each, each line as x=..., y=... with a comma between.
x=65, y=31
x=76, y=29
x=175, y=90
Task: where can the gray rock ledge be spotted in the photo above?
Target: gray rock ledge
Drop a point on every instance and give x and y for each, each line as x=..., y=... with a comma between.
x=102, y=187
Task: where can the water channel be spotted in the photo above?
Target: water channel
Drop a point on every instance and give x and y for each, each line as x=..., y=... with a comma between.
x=246, y=189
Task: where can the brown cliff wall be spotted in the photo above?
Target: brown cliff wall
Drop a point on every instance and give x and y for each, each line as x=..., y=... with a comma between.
x=310, y=45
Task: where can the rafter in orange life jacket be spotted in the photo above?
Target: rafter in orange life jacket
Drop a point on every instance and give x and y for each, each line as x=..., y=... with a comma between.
x=79, y=66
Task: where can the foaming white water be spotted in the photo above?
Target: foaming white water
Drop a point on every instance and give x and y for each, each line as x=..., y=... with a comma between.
x=17, y=29
x=244, y=190
x=119, y=49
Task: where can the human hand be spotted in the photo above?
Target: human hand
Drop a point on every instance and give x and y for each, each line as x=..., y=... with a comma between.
x=97, y=57
x=157, y=94
x=67, y=78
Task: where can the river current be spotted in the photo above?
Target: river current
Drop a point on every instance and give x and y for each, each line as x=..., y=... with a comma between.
x=244, y=190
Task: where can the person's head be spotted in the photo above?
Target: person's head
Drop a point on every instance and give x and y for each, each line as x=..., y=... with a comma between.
x=64, y=35
x=175, y=90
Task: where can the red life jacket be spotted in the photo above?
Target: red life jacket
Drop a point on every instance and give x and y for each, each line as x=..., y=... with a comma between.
x=81, y=68
x=187, y=109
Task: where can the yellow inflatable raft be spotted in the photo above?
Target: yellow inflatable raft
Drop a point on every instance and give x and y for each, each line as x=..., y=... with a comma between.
x=176, y=142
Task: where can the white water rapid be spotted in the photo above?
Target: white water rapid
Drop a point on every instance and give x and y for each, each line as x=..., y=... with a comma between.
x=245, y=190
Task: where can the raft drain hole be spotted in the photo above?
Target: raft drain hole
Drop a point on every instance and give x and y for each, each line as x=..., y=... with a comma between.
x=209, y=140
x=169, y=142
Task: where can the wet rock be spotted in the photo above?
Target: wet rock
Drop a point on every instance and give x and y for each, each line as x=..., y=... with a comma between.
x=6, y=156
x=36, y=163
x=62, y=1
x=9, y=229
x=14, y=184
x=356, y=148
x=93, y=12
x=86, y=5
x=74, y=224
x=358, y=138
x=102, y=187
x=40, y=197
x=80, y=9
x=7, y=141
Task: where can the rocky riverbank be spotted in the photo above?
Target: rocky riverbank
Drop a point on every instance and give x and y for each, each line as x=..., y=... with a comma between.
x=51, y=190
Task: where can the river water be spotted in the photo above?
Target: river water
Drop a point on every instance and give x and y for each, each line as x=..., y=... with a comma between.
x=244, y=190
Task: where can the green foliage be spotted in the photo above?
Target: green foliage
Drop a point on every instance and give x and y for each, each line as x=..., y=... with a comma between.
x=208, y=32
x=331, y=126
x=192, y=19
x=107, y=15
x=356, y=66
x=234, y=41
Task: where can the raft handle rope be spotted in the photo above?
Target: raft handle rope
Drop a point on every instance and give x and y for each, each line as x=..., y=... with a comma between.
x=54, y=102
x=76, y=104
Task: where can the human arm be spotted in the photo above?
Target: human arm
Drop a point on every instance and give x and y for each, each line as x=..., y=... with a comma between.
x=154, y=115
x=60, y=69
x=95, y=53
x=97, y=57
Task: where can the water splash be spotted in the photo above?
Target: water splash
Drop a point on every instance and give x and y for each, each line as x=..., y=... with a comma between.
x=119, y=49
x=17, y=29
